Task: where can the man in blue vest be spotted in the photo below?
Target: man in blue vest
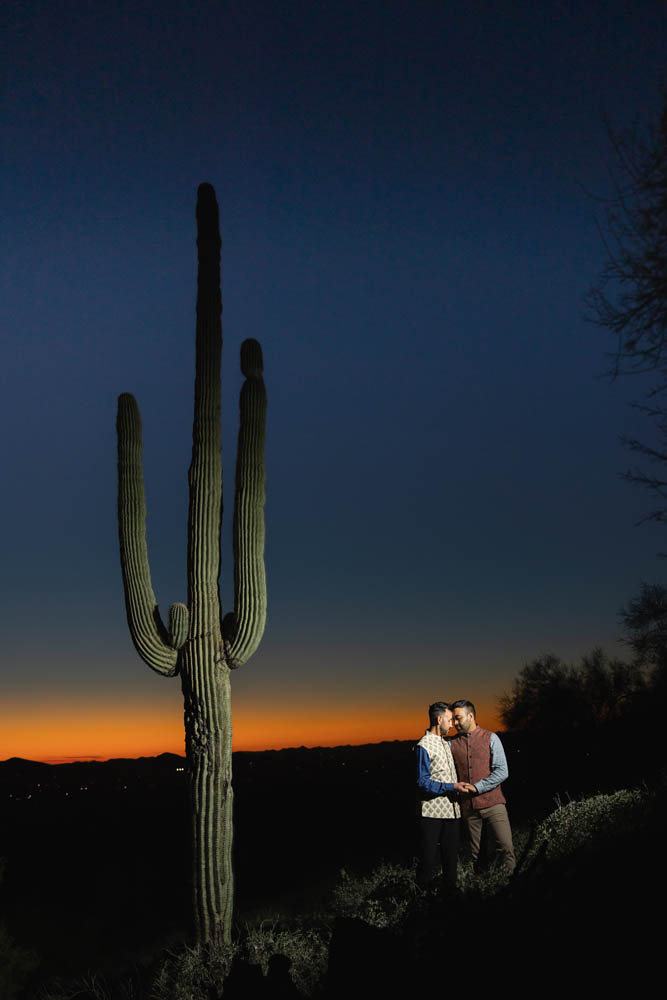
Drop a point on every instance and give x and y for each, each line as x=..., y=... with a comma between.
x=440, y=811
x=481, y=764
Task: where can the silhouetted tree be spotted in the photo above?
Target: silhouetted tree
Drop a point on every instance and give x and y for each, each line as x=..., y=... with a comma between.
x=542, y=695
x=630, y=299
x=645, y=625
x=549, y=694
x=608, y=688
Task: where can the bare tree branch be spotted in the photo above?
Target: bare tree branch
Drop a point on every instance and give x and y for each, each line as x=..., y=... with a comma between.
x=630, y=297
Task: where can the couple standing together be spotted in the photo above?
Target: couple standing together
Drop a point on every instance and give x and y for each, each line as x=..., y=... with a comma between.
x=460, y=778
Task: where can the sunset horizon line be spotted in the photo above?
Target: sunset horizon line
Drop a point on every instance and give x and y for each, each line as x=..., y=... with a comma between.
x=105, y=758
x=61, y=738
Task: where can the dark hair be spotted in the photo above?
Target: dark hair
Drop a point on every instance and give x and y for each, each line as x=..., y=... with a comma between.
x=462, y=703
x=436, y=709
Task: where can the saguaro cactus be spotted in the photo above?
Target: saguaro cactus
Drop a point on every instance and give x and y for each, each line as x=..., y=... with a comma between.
x=197, y=643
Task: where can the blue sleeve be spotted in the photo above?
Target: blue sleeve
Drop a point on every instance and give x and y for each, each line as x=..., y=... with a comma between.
x=424, y=780
x=499, y=771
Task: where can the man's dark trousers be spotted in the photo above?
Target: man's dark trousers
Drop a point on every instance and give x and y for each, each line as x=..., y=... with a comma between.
x=439, y=837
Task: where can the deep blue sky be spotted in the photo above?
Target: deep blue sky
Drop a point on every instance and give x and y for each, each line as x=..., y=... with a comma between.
x=408, y=228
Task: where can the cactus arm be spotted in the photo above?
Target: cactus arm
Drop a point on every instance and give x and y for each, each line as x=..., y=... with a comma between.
x=149, y=635
x=243, y=630
x=179, y=621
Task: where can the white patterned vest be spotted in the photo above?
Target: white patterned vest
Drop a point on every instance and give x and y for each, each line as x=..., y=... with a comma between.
x=442, y=769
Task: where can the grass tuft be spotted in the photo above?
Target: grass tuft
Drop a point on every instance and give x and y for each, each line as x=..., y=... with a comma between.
x=382, y=898
x=307, y=950
x=193, y=973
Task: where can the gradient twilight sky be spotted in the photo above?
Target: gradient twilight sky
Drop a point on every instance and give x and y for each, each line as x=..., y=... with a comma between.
x=408, y=229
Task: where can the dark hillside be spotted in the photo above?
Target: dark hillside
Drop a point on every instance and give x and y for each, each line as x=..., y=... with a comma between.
x=97, y=866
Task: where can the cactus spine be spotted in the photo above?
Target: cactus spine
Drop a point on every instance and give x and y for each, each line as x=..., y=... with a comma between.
x=197, y=643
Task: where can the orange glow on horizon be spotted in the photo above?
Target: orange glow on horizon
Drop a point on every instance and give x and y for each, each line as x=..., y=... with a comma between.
x=60, y=731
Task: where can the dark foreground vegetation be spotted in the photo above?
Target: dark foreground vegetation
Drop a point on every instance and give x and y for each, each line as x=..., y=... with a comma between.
x=96, y=888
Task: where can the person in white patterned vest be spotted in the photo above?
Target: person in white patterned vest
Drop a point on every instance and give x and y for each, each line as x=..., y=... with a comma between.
x=440, y=812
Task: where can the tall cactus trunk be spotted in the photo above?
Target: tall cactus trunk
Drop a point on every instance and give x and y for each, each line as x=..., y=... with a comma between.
x=204, y=673
x=208, y=734
x=198, y=643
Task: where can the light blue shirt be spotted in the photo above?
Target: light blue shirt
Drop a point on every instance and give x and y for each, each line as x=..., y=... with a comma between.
x=499, y=770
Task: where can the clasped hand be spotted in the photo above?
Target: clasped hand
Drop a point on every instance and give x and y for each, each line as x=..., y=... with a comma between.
x=465, y=788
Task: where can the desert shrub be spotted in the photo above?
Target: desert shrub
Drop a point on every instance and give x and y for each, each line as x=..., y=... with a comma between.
x=483, y=883
x=193, y=973
x=306, y=948
x=90, y=987
x=383, y=898
x=487, y=882
x=200, y=973
x=589, y=821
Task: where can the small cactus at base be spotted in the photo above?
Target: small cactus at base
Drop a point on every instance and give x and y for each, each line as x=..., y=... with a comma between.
x=197, y=644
